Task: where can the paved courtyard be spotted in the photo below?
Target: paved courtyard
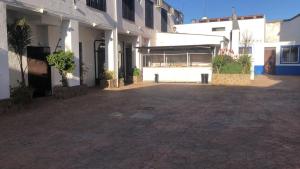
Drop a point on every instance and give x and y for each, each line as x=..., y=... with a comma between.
x=164, y=126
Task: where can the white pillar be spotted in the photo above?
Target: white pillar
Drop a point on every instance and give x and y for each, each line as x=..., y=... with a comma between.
x=4, y=67
x=111, y=45
x=70, y=39
x=138, y=43
x=235, y=41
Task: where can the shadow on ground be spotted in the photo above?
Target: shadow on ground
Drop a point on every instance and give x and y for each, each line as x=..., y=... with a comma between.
x=164, y=126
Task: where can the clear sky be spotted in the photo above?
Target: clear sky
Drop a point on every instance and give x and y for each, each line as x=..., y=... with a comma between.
x=273, y=9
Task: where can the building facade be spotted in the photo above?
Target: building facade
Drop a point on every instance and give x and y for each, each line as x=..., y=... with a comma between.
x=274, y=46
x=102, y=34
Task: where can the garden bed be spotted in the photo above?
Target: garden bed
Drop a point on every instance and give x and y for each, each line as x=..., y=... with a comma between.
x=231, y=79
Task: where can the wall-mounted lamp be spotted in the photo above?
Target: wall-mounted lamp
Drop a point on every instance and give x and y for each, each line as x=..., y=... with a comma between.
x=40, y=10
x=94, y=24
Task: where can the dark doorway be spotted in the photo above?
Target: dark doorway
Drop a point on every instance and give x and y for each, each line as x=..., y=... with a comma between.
x=81, y=67
x=270, y=60
x=128, y=64
x=99, y=53
x=39, y=72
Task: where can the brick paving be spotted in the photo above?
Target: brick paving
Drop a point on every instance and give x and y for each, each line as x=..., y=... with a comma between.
x=165, y=126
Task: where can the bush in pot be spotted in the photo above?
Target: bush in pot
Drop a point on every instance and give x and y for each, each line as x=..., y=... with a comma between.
x=121, y=80
x=136, y=75
x=107, y=79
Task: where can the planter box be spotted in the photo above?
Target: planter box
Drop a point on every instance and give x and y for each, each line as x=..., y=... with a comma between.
x=60, y=92
x=137, y=79
x=121, y=82
x=107, y=83
x=231, y=79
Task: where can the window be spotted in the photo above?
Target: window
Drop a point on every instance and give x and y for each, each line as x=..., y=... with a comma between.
x=164, y=20
x=289, y=54
x=149, y=14
x=97, y=4
x=218, y=29
x=128, y=8
x=245, y=50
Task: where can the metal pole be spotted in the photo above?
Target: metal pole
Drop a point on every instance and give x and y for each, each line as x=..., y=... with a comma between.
x=165, y=61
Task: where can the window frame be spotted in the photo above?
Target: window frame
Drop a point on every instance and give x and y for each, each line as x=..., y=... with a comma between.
x=289, y=47
x=164, y=12
x=149, y=12
x=248, y=48
x=218, y=29
x=127, y=13
x=94, y=4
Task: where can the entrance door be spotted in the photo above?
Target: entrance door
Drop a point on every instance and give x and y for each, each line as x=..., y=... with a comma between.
x=270, y=61
x=99, y=52
x=39, y=72
x=128, y=63
x=81, y=66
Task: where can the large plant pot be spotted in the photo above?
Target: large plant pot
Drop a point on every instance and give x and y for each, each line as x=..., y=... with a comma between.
x=137, y=79
x=103, y=84
x=121, y=82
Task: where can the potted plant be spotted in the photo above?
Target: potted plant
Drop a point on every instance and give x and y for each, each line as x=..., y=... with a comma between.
x=108, y=79
x=121, y=80
x=136, y=76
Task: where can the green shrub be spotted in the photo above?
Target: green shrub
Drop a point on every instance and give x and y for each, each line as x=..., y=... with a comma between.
x=21, y=95
x=245, y=61
x=64, y=62
x=227, y=65
x=136, y=72
x=219, y=61
x=108, y=75
x=232, y=68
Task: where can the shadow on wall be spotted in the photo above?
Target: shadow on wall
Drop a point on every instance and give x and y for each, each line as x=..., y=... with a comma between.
x=289, y=29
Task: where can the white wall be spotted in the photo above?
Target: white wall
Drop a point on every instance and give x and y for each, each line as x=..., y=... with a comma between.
x=182, y=74
x=290, y=30
x=87, y=36
x=273, y=32
x=176, y=39
x=254, y=27
x=4, y=70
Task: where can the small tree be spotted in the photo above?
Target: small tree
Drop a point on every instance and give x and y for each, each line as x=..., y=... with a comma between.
x=246, y=41
x=19, y=37
x=64, y=62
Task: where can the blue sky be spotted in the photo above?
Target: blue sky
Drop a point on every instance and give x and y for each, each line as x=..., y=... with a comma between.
x=273, y=9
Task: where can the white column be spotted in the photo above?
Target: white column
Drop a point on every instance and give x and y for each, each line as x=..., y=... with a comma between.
x=235, y=41
x=4, y=67
x=138, y=43
x=70, y=39
x=111, y=45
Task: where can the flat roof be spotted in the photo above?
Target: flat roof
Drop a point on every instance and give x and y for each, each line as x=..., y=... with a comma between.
x=229, y=18
x=177, y=47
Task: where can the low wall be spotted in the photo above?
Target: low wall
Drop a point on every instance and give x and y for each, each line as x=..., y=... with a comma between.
x=231, y=79
x=177, y=74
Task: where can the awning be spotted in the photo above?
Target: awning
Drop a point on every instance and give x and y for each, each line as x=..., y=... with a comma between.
x=191, y=48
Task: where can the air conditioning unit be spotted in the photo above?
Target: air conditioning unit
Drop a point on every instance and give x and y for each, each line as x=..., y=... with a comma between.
x=159, y=3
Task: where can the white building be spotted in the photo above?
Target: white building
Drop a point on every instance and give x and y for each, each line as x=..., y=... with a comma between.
x=274, y=46
x=119, y=35
x=101, y=34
